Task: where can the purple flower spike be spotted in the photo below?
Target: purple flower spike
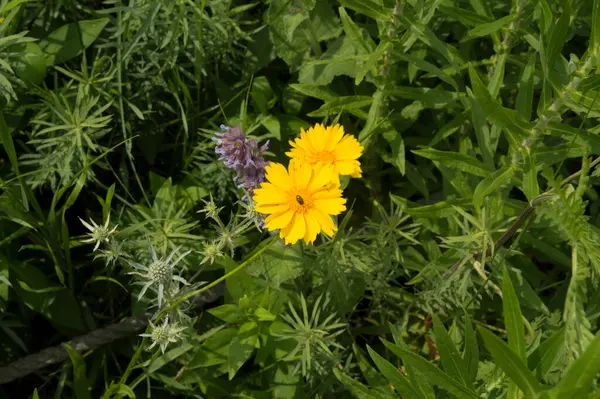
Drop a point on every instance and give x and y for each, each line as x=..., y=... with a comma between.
x=242, y=154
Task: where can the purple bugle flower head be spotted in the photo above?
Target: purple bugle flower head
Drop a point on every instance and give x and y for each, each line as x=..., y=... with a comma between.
x=242, y=154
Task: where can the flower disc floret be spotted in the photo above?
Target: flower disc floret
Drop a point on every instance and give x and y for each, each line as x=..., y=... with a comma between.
x=300, y=202
x=329, y=145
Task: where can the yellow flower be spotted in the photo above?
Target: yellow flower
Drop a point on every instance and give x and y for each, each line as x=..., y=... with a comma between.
x=299, y=203
x=1, y=20
x=328, y=146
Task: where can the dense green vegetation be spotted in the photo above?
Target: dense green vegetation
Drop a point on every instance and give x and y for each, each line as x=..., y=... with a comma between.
x=467, y=262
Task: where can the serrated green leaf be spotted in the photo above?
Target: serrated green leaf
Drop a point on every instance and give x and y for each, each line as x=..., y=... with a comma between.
x=509, y=119
x=431, y=372
x=455, y=160
x=451, y=361
x=393, y=375
x=491, y=183
x=546, y=356
x=511, y=364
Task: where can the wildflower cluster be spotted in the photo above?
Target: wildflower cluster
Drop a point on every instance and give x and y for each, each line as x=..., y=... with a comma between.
x=242, y=154
x=301, y=199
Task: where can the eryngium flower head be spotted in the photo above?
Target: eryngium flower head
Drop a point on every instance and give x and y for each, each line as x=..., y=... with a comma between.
x=159, y=273
x=164, y=334
x=98, y=233
x=242, y=154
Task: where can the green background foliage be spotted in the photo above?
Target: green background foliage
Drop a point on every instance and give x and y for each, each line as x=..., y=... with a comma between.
x=467, y=265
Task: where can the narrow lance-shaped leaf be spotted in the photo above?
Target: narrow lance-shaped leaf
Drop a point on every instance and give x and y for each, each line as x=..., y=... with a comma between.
x=511, y=364
x=455, y=160
x=491, y=183
x=509, y=119
x=393, y=375
x=431, y=372
x=451, y=360
x=471, y=352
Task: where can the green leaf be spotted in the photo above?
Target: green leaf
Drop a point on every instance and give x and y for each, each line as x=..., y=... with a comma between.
x=507, y=118
x=513, y=318
x=531, y=187
x=168, y=357
x=368, y=8
x=578, y=379
x=524, y=101
x=548, y=354
x=229, y=313
x=278, y=264
x=70, y=40
x=342, y=104
x=511, y=364
x=358, y=390
x=556, y=40
x=489, y=27
x=353, y=31
x=393, y=375
x=471, y=351
x=591, y=140
x=31, y=66
x=431, y=372
x=491, y=183
x=455, y=160
x=242, y=347
x=81, y=385
x=594, y=46
x=214, y=350
x=451, y=361
x=263, y=96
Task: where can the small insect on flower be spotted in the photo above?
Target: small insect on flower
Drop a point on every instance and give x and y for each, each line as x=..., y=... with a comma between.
x=299, y=202
x=328, y=146
x=159, y=273
x=164, y=334
x=97, y=232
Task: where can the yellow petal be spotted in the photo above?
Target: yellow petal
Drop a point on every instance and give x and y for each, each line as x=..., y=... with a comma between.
x=270, y=209
x=295, y=230
x=335, y=135
x=312, y=228
x=322, y=176
x=269, y=194
x=276, y=174
x=347, y=167
x=332, y=206
x=348, y=148
x=279, y=220
x=324, y=221
x=300, y=174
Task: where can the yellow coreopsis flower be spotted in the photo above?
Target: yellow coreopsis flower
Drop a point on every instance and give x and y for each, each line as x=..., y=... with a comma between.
x=328, y=146
x=299, y=202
